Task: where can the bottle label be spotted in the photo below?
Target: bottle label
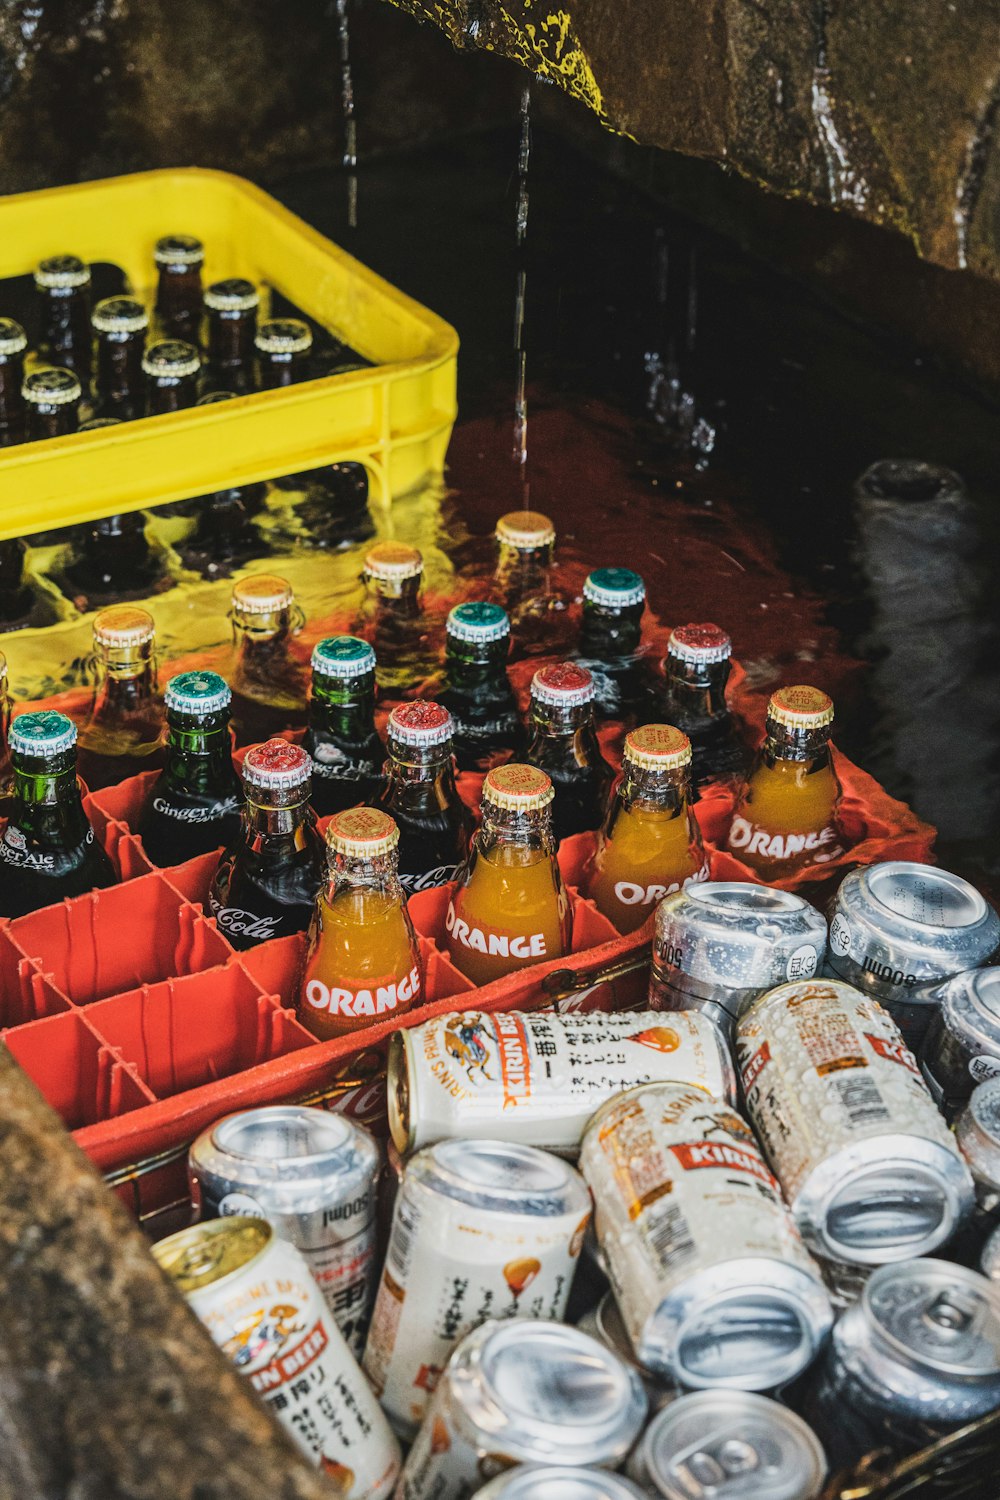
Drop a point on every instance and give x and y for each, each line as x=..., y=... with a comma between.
x=630, y=893
x=344, y=770
x=821, y=844
x=364, y=998
x=14, y=851
x=493, y=940
x=238, y=919
x=207, y=813
x=426, y=880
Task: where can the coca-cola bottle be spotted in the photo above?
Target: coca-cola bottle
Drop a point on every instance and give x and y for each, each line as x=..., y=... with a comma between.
x=342, y=740
x=269, y=691
x=194, y=804
x=693, y=697
x=564, y=744
x=267, y=880
x=420, y=793
x=122, y=735
x=478, y=694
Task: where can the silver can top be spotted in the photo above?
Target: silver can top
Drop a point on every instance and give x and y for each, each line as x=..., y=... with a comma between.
x=939, y=1318
x=971, y=1004
x=977, y=1131
x=287, y=1157
x=500, y=1176
x=559, y=1482
x=989, y=1261
x=547, y=1392
x=740, y=937
x=729, y=1445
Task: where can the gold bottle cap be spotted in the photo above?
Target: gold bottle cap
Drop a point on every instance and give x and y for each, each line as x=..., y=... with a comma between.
x=284, y=336
x=392, y=562
x=179, y=250
x=262, y=594
x=51, y=387
x=235, y=294
x=525, y=530
x=61, y=273
x=205, y=1253
x=657, y=747
x=517, y=788
x=120, y=315
x=13, y=339
x=362, y=832
x=123, y=626
x=801, y=707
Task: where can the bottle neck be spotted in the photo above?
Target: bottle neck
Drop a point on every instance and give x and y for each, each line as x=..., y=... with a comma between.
x=699, y=689
x=469, y=666
x=47, y=803
x=199, y=752
x=607, y=631
x=420, y=781
x=523, y=564
x=808, y=747
x=657, y=791
x=527, y=830
x=263, y=823
x=553, y=723
x=380, y=875
x=400, y=597
x=125, y=690
x=343, y=708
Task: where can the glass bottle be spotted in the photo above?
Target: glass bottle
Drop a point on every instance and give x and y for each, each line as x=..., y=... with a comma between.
x=649, y=844
x=786, y=813
x=363, y=964
x=6, y=770
x=179, y=259
x=120, y=324
x=335, y=508
x=62, y=283
x=478, y=694
x=194, y=804
x=16, y=596
x=13, y=414
x=112, y=559
x=123, y=734
x=510, y=909
x=269, y=691
x=421, y=795
x=171, y=369
x=342, y=741
x=697, y=668
x=267, y=879
x=48, y=850
x=52, y=401
x=564, y=744
x=525, y=540
x=392, y=617
x=232, y=325
x=610, y=636
x=284, y=346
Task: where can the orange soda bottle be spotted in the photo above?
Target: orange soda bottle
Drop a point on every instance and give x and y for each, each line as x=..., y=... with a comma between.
x=650, y=843
x=510, y=908
x=363, y=963
x=786, y=815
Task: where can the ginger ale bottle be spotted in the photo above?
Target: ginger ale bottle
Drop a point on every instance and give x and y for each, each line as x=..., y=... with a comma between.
x=478, y=694
x=347, y=754
x=194, y=804
x=786, y=815
x=650, y=843
x=363, y=963
x=610, y=636
x=510, y=908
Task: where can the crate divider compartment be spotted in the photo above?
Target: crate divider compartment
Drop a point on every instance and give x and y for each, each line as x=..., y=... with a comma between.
x=85, y=1080
x=26, y=992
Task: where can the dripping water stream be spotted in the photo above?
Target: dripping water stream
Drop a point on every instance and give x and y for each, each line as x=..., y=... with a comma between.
x=350, y=157
x=520, y=241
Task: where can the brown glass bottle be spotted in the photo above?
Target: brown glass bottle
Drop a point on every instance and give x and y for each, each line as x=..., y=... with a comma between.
x=6, y=769
x=123, y=734
x=392, y=616
x=62, y=283
x=52, y=399
x=120, y=324
x=13, y=417
x=232, y=326
x=283, y=349
x=179, y=259
x=171, y=368
x=16, y=596
x=269, y=685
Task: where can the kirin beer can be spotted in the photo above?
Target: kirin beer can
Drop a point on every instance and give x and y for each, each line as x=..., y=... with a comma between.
x=718, y=946
x=539, y=1078
x=708, y=1269
x=517, y=1393
x=962, y=1045
x=898, y=929
x=255, y=1295
x=481, y=1229
x=865, y=1160
x=977, y=1131
x=559, y=1482
x=728, y=1445
x=313, y=1175
x=916, y=1357
x=604, y=1322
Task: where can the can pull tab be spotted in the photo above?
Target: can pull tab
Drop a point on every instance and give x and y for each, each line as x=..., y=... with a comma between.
x=715, y=1464
x=951, y=1314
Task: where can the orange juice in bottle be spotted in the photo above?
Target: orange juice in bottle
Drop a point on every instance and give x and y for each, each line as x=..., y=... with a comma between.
x=363, y=963
x=510, y=908
x=786, y=815
x=650, y=843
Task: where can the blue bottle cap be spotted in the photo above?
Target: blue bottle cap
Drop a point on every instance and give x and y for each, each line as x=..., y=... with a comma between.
x=478, y=622
x=200, y=693
x=615, y=588
x=42, y=734
x=343, y=656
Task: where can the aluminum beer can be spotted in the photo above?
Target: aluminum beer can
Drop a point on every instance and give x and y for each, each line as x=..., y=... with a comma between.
x=559, y=1482
x=256, y=1297
x=977, y=1131
x=710, y=1274
x=916, y=1357
x=870, y=1169
x=718, y=946
x=962, y=1044
x=604, y=1322
x=539, y=1078
x=314, y=1176
x=989, y=1261
x=898, y=929
x=481, y=1229
x=517, y=1392
x=728, y=1445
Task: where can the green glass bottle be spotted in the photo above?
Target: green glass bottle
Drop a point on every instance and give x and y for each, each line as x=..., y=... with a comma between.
x=478, y=694
x=48, y=850
x=610, y=640
x=194, y=804
x=342, y=742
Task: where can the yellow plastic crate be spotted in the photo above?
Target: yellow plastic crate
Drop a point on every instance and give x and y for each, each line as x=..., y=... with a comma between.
x=396, y=418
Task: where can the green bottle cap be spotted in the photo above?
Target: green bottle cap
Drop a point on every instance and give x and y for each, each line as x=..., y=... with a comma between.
x=198, y=693
x=615, y=588
x=343, y=656
x=478, y=622
x=42, y=734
